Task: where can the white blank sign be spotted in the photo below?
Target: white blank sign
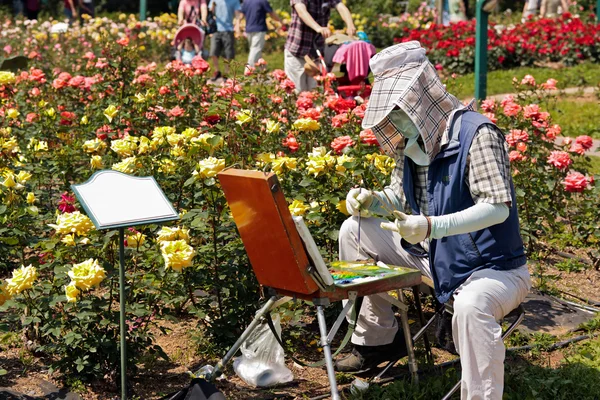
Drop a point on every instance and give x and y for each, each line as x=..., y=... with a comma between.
x=113, y=199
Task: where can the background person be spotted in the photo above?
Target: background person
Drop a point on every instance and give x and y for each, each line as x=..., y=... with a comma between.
x=453, y=177
x=222, y=42
x=192, y=12
x=87, y=7
x=32, y=8
x=255, y=12
x=550, y=8
x=309, y=20
x=70, y=10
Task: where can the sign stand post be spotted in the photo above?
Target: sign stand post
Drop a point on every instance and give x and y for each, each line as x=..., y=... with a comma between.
x=115, y=200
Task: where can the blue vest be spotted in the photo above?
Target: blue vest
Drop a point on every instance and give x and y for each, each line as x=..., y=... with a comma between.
x=453, y=259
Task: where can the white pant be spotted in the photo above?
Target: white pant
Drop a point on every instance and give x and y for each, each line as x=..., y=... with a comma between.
x=256, y=40
x=294, y=68
x=486, y=297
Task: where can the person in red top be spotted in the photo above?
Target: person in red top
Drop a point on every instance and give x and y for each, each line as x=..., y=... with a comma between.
x=70, y=10
x=192, y=11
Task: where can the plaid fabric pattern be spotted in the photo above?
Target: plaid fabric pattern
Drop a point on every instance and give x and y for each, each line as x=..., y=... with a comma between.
x=488, y=171
x=300, y=36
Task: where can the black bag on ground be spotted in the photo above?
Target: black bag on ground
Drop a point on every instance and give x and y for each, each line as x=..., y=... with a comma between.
x=199, y=389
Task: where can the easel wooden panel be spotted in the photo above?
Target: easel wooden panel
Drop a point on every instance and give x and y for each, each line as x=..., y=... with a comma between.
x=269, y=234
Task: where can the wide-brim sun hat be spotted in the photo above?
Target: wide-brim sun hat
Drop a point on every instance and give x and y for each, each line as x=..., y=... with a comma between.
x=404, y=78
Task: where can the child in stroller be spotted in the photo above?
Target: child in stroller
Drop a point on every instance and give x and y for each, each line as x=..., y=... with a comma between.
x=188, y=43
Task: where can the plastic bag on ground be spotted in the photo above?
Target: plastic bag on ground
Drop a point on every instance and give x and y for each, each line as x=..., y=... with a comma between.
x=262, y=363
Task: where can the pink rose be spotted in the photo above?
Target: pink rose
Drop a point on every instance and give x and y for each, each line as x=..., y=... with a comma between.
x=575, y=182
x=550, y=84
x=511, y=109
x=528, y=80
x=515, y=136
x=585, y=141
x=515, y=156
x=488, y=106
x=577, y=148
x=291, y=143
x=340, y=120
x=312, y=113
x=176, y=112
x=491, y=117
x=531, y=111
x=560, y=159
x=340, y=143
x=279, y=74
x=368, y=137
x=552, y=132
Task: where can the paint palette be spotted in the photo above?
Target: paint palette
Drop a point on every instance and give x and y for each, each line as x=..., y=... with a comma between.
x=347, y=273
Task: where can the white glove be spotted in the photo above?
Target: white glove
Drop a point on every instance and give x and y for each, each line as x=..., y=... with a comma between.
x=413, y=228
x=358, y=201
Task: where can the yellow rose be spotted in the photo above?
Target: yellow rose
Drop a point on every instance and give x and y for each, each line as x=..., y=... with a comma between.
x=341, y=206
x=177, y=254
x=382, y=162
x=84, y=120
x=125, y=147
x=42, y=103
x=273, y=126
x=243, y=117
x=340, y=163
x=175, y=139
x=69, y=240
x=7, y=78
x=42, y=145
x=306, y=125
x=12, y=113
x=209, y=167
x=289, y=163
x=30, y=198
x=94, y=146
x=22, y=279
x=87, y=274
x=72, y=292
x=96, y=162
x=51, y=112
x=298, y=208
x=74, y=222
x=127, y=166
x=167, y=234
x=190, y=133
x=110, y=112
x=135, y=240
x=23, y=177
x=144, y=146
x=4, y=295
x=208, y=141
x=9, y=180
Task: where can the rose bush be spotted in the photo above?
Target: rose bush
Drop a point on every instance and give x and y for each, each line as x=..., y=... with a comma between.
x=100, y=106
x=567, y=39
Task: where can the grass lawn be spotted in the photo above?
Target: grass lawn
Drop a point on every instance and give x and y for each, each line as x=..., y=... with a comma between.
x=577, y=117
x=499, y=82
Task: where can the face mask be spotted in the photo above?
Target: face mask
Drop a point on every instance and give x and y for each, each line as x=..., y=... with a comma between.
x=409, y=130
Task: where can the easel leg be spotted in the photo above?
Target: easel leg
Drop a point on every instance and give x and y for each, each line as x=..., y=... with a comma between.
x=412, y=362
x=419, y=307
x=223, y=362
x=335, y=395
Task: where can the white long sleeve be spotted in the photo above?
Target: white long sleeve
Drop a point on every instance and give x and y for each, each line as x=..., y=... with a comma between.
x=474, y=218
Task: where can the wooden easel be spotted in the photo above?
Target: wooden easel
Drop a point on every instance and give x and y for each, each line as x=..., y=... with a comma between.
x=280, y=261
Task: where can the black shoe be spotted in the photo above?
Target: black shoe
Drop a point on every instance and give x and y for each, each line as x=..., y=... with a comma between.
x=365, y=358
